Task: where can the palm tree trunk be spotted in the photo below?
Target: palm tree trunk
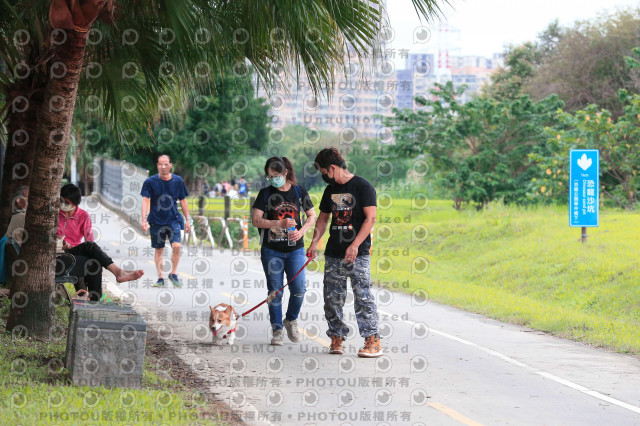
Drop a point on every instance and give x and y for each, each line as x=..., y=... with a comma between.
x=20, y=150
x=32, y=310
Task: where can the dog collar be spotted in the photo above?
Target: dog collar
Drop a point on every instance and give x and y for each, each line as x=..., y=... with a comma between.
x=229, y=332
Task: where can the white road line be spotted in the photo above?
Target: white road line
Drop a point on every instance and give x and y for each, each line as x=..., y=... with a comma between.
x=544, y=374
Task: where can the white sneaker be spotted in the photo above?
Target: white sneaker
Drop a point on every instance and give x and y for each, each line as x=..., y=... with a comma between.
x=278, y=337
x=292, y=330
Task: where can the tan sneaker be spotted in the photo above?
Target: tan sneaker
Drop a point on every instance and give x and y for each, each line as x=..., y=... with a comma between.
x=336, y=345
x=278, y=337
x=372, y=348
x=292, y=330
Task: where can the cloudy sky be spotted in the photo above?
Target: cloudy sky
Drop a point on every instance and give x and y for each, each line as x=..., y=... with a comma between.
x=485, y=26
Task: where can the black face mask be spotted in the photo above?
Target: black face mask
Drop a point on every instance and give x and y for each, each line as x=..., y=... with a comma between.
x=330, y=181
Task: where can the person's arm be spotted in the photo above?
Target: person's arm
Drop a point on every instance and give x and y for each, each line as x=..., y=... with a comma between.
x=146, y=202
x=370, y=218
x=318, y=232
x=87, y=229
x=259, y=222
x=16, y=227
x=308, y=223
x=185, y=211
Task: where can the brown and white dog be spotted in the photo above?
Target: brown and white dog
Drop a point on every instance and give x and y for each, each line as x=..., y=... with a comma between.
x=222, y=323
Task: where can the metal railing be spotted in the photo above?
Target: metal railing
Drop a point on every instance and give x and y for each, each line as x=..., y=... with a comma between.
x=118, y=183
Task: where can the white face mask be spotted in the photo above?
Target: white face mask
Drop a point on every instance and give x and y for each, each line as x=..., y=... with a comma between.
x=66, y=207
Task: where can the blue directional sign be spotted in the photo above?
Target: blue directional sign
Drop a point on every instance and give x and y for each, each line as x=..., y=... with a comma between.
x=584, y=175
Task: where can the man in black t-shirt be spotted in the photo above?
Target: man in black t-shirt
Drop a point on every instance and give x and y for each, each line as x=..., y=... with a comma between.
x=350, y=201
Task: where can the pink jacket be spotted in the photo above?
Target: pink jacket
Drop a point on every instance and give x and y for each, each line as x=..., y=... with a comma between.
x=75, y=227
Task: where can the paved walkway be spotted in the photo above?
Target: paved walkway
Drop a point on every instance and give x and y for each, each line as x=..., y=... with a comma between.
x=442, y=366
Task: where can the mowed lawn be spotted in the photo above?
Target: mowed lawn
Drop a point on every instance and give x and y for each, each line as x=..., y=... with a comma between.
x=515, y=264
x=525, y=266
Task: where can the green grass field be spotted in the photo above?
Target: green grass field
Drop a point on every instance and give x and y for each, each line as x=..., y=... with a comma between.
x=525, y=266
x=515, y=264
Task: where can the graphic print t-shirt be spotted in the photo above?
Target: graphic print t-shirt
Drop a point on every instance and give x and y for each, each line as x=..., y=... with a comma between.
x=281, y=205
x=346, y=204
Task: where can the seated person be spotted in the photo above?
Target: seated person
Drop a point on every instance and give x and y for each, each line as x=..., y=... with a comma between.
x=14, y=234
x=18, y=212
x=74, y=224
x=90, y=259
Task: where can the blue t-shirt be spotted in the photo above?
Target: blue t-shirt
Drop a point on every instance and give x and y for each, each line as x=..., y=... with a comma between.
x=242, y=188
x=164, y=196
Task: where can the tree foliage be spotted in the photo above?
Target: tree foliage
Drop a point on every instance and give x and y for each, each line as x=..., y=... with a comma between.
x=478, y=151
x=618, y=141
x=219, y=126
x=585, y=64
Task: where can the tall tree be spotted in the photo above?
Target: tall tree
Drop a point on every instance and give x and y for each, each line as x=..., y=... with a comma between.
x=138, y=56
x=479, y=150
x=585, y=64
x=618, y=141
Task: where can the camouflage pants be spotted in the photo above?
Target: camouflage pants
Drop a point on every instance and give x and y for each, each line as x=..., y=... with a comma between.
x=336, y=273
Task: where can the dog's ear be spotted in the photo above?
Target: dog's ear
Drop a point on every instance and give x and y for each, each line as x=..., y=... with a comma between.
x=211, y=309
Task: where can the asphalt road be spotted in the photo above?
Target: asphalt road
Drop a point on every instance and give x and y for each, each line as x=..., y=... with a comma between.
x=441, y=366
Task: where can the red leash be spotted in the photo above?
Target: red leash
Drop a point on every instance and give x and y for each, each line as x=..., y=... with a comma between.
x=273, y=295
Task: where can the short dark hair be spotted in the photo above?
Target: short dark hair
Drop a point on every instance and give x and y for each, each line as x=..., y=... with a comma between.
x=162, y=155
x=72, y=193
x=328, y=157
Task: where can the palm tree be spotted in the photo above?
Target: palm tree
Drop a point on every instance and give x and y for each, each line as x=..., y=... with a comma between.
x=63, y=52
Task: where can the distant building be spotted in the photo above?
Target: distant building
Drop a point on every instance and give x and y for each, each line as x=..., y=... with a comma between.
x=404, y=94
x=361, y=96
x=423, y=73
x=368, y=92
x=358, y=98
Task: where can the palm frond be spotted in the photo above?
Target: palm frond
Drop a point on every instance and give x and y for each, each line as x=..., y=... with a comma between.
x=281, y=39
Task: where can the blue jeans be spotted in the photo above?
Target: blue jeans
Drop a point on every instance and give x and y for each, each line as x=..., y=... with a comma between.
x=275, y=264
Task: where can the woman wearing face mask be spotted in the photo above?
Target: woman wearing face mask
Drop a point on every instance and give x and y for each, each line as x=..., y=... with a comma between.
x=276, y=212
x=74, y=225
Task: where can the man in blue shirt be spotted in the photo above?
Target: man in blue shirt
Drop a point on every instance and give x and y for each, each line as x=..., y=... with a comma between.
x=160, y=196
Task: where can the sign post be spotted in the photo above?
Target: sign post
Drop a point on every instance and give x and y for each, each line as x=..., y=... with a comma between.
x=584, y=182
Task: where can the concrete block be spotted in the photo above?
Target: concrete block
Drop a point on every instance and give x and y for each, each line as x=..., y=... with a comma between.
x=105, y=345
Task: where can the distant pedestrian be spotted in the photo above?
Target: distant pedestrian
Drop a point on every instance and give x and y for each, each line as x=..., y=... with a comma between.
x=160, y=196
x=217, y=190
x=242, y=187
x=350, y=201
